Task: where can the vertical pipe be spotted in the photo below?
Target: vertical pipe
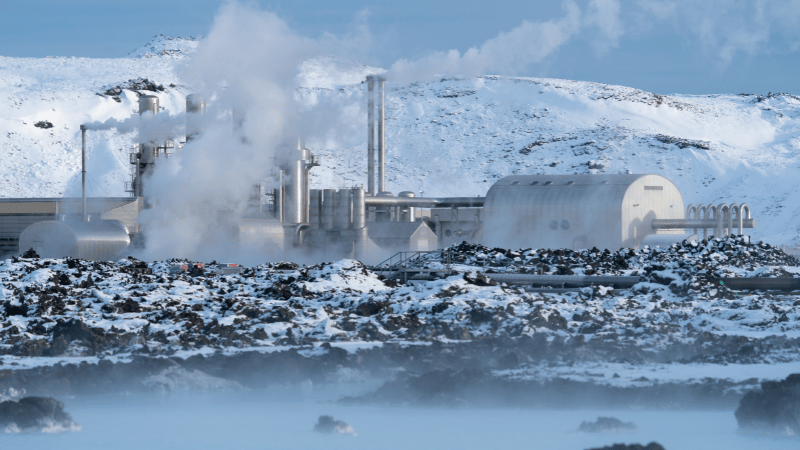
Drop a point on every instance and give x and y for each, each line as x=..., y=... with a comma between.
x=294, y=194
x=328, y=208
x=381, y=149
x=83, y=169
x=371, y=134
x=359, y=209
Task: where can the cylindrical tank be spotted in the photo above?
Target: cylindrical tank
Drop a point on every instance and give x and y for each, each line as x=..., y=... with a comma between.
x=195, y=107
x=315, y=208
x=406, y=212
x=102, y=240
x=343, y=209
x=329, y=209
x=359, y=209
x=295, y=206
x=148, y=103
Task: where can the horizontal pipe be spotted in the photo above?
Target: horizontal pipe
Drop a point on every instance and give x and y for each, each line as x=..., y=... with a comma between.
x=766, y=284
x=673, y=224
x=550, y=280
x=421, y=202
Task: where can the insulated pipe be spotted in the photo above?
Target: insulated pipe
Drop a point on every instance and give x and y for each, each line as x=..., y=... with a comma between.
x=723, y=211
x=298, y=233
x=422, y=202
x=371, y=135
x=277, y=204
x=359, y=209
x=778, y=284
x=381, y=122
x=329, y=209
x=315, y=208
x=691, y=213
x=550, y=280
x=674, y=224
x=407, y=214
x=83, y=170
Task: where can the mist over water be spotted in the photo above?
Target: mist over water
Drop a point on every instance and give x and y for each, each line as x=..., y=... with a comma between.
x=284, y=418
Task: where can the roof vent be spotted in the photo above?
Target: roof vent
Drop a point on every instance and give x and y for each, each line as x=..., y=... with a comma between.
x=548, y=183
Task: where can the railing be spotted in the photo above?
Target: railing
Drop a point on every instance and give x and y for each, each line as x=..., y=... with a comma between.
x=403, y=263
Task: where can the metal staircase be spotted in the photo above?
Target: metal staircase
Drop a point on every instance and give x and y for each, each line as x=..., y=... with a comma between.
x=412, y=265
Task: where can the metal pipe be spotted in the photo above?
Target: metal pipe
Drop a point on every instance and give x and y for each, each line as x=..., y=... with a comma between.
x=675, y=224
x=723, y=211
x=381, y=140
x=422, y=202
x=298, y=236
x=371, y=135
x=359, y=209
x=329, y=209
x=555, y=280
x=778, y=284
x=83, y=170
x=407, y=212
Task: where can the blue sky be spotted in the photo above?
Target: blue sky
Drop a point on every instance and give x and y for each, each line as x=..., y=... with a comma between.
x=664, y=46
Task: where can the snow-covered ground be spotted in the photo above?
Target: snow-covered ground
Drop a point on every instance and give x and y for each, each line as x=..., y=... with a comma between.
x=454, y=136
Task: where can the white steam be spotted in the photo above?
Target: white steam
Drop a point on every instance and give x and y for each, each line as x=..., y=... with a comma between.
x=514, y=51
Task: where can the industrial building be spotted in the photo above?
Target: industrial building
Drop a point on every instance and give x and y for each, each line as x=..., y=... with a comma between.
x=520, y=211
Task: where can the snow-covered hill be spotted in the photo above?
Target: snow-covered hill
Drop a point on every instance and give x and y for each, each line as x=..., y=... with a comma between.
x=447, y=137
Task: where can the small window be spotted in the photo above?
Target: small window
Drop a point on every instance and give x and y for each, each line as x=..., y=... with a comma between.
x=548, y=183
x=604, y=182
x=448, y=233
x=514, y=183
x=554, y=225
x=570, y=183
x=565, y=224
x=654, y=188
x=534, y=183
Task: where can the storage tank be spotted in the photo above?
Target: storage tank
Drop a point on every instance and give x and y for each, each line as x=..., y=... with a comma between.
x=578, y=211
x=102, y=240
x=261, y=235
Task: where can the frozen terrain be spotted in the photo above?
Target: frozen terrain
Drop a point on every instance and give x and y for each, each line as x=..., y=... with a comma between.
x=454, y=136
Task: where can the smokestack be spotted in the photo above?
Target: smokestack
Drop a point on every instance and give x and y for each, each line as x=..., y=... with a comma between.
x=83, y=170
x=195, y=107
x=381, y=120
x=371, y=135
x=147, y=151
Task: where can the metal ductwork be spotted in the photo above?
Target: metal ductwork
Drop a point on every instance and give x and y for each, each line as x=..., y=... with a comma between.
x=102, y=240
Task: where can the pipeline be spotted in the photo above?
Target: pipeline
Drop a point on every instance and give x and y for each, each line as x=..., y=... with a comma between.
x=760, y=284
x=421, y=202
x=621, y=282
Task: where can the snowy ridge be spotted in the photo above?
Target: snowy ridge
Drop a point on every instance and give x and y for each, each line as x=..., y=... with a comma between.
x=166, y=47
x=453, y=136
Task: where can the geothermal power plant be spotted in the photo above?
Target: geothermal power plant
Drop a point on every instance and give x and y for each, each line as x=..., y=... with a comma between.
x=607, y=211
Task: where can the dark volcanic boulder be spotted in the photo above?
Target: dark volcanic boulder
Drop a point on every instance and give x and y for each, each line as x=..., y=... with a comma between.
x=64, y=333
x=35, y=413
x=774, y=407
x=327, y=424
x=650, y=446
x=606, y=424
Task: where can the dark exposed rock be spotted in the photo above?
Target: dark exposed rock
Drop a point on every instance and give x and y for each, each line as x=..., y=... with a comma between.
x=32, y=413
x=606, y=424
x=43, y=124
x=327, y=424
x=774, y=407
x=65, y=333
x=650, y=446
x=30, y=253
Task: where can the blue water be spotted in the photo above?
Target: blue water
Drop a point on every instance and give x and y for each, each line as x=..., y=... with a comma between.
x=284, y=419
